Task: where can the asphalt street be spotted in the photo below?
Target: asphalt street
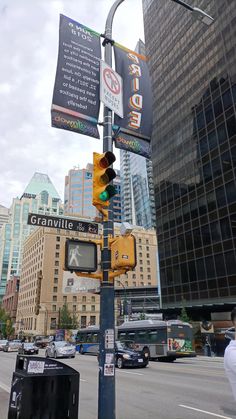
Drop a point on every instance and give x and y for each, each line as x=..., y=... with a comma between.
x=186, y=389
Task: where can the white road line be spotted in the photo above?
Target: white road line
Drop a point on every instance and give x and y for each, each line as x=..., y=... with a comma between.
x=204, y=411
x=128, y=372
x=5, y=387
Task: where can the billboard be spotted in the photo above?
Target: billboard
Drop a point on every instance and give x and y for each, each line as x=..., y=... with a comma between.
x=75, y=104
x=133, y=131
x=73, y=284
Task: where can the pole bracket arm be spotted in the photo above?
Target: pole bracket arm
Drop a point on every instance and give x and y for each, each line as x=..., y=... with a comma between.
x=106, y=40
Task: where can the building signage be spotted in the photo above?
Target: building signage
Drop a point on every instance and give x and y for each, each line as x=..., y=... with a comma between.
x=75, y=104
x=63, y=223
x=111, y=89
x=133, y=131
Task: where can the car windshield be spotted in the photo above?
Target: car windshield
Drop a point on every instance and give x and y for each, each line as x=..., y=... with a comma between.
x=62, y=343
x=28, y=345
x=121, y=345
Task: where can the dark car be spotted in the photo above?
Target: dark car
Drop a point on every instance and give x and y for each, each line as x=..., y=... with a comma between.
x=125, y=356
x=28, y=349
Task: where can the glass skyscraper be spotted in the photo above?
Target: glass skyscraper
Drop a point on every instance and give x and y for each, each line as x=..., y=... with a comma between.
x=193, y=71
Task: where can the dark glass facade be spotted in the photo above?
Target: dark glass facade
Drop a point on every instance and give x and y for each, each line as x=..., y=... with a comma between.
x=193, y=70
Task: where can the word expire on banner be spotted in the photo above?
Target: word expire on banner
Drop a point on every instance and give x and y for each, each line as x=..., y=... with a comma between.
x=75, y=104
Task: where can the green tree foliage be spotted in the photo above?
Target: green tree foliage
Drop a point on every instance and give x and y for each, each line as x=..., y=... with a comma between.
x=66, y=320
x=6, y=325
x=184, y=315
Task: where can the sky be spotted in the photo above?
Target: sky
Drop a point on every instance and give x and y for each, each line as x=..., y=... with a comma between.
x=29, y=31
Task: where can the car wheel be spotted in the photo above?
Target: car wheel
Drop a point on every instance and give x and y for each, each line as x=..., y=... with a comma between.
x=120, y=362
x=81, y=350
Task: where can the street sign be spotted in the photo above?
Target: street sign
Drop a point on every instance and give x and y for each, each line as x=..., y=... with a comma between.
x=81, y=256
x=63, y=223
x=111, y=89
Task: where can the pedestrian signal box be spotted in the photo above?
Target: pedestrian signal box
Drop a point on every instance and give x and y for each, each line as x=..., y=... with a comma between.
x=80, y=256
x=103, y=174
x=123, y=253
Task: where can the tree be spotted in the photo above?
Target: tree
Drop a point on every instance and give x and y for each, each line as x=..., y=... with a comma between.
x=6, y=326
x=184, y=315
x=65, y=319
x=142, y=316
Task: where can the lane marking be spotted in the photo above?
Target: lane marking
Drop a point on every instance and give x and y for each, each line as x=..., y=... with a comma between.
x=204, y=411
x=5, y=387
x=128, y=372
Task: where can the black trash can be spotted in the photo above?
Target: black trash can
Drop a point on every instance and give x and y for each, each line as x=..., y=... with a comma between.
x=43, y=388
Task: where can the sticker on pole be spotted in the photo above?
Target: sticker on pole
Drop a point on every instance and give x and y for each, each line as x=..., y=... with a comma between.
x=111, y=89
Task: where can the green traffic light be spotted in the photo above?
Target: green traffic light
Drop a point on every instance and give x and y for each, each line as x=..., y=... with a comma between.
x=108, y=193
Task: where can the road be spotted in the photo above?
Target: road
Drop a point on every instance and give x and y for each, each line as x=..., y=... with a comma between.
x=186, y=389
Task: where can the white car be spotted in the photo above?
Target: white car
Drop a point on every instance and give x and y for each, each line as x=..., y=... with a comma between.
x=61, y=349
x=3, y=342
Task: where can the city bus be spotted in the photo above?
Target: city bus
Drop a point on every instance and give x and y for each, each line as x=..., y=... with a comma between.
x=161, y=340
x=87, y=340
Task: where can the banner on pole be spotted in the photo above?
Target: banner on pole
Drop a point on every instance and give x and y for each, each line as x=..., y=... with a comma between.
x=75, y=104
x=133, y=131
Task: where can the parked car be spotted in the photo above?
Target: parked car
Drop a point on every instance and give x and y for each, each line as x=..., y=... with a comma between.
x=60, y=349
x=28, y=349
x=12, y=346
x=42, y=341
x=3, y=342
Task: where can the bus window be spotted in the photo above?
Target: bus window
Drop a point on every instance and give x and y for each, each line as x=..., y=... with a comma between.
x=94, y=338
x=89, y=337
x=130, y=336
x=141, y=336
x=122, y=336
x=152, y=336
x=157, y=336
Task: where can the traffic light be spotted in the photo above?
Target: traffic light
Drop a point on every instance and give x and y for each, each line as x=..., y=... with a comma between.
x=103, y=174
x=123, y=253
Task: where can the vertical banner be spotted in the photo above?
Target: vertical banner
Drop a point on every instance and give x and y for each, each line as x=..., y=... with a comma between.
x=75, y=104
x=133, y=131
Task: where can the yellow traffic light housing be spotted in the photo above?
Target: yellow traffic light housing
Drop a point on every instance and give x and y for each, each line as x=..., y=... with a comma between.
x=123, y=253
x=103, y=174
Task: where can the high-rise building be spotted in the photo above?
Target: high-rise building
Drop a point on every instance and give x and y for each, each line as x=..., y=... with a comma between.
x=44, y=283
x=78, y=194
x=40, y=196
x=193, y=71
x=137, y=192
x=4, y=215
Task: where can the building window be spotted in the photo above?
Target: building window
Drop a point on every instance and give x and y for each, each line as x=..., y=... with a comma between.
x=140, y=247
x=141, y=269
x=57, y=246
x=92, y=320
x=54, y=298
x=141, y=262
x=93, y=299
x=55, y=271
x=54, y=289
x=84, y=299
x=134, y=276
x=140, y=240
x=83, y=321
x=141, y=276
x=142, y=284
x=64, y=299
x=147, y=248
x=58, y=238
x=83, y=307
x=56, y=263
x=148, y=262
x=134, y=284
x=149, y=283
x=148, y=269
x=74, y=299
x=149, y=276
x=57, y=255
x=140, y=255
x=53, y=323
x=74, y=307
x=92, y=308
x=54, y=308
x=55, y=280
x=147, y=241
x=148, y=255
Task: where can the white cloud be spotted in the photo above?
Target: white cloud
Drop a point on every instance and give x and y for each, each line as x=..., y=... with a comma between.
x=29, y=47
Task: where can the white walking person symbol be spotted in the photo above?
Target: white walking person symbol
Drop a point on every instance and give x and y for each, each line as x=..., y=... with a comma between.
x=74, y=256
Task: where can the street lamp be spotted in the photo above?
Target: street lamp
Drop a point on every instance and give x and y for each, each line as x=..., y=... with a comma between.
x=198, y=14
x=106, y=391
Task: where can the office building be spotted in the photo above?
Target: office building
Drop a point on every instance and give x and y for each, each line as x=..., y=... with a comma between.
x=4, y=215
x=10, y=299
x=193, y=71
x=40, y=196
x=44, y=283
x=78, y=194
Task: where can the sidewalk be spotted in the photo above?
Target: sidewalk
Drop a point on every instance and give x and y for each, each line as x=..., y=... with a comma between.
x=4, y=402
x=210, y=358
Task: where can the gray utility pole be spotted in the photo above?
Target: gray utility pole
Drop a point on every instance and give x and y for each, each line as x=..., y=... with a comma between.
x=106, y=392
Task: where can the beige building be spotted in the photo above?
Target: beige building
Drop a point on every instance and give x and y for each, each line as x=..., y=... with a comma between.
x=44, y=283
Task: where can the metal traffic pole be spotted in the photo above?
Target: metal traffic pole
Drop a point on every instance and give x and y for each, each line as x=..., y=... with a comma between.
x=106, y=391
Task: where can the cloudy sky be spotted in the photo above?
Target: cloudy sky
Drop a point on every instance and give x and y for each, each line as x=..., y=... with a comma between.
x=28, y=50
